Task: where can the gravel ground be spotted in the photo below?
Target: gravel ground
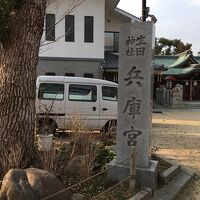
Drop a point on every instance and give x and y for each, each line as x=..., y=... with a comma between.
x=176, y=135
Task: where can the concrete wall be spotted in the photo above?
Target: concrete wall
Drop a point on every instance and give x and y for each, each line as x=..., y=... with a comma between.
x=77, y=49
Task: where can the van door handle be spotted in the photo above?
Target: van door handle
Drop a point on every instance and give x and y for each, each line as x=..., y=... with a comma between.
x=94, y=108
x=104, y=109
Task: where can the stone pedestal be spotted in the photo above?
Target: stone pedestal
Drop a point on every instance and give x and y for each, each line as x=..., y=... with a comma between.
x=145, y=177
x=118, y=172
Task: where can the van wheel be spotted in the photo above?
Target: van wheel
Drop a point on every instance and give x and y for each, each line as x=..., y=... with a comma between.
x=47, y=126
x=110, y=127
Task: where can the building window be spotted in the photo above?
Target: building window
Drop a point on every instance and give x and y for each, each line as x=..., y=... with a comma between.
x=50, y=73
x=82, y=93
x=51, y=91
x=89, y=29
x=50, y=27
x=112, y=41
x=69, y=28
x=69, y=74
x=88, y=75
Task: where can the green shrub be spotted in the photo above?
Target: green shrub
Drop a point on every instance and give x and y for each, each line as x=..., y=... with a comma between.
x=104, y=156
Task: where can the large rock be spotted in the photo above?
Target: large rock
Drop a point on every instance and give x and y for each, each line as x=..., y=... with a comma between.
x=29, y=184
x=15, y=186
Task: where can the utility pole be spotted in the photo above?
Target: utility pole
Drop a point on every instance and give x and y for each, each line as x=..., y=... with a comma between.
x=144, y=10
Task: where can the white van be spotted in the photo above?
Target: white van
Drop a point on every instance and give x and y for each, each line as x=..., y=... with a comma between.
x=60, y=96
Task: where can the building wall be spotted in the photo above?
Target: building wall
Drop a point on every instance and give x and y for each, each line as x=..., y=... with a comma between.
x=78, y=57
x=113, y=21
x=60, y=66
x=77, y=49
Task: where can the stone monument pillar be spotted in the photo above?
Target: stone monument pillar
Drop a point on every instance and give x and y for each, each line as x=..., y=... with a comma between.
x=135, y=100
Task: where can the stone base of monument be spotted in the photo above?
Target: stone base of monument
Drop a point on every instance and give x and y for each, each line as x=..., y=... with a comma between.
x=145, y=177
x=117, y=172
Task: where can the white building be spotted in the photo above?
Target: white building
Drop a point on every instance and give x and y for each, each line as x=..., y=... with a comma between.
x=76, y=37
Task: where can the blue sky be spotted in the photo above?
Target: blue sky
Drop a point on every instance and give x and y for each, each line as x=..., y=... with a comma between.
x=177, y=19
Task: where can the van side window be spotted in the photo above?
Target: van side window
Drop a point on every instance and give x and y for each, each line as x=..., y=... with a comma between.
x=109, y=93
x=82, y=93
x=51, y=91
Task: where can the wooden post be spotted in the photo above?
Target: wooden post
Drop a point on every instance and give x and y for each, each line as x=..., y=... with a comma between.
x=132, y=168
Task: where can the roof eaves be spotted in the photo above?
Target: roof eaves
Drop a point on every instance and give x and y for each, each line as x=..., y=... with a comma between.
x=179, y=71
x=187, y=70
x=111, y=4
x=184, y=53
x=126, y=14
x=172, y=71
x=185, y=56
x=166, y=56
x=183, y=59
x=193, y=59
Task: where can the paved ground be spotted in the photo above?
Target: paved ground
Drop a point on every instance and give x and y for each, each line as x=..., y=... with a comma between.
x=176, y=135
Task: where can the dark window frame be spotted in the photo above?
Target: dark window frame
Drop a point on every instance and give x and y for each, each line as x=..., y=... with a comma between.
x=88, y=75
x=40, y=92
x=50, y=74
x=102, y=88
x=70, y=74
x=50, y=32
x=115, y=38
x=89, y=29
x=70, y=28
x=81, y=100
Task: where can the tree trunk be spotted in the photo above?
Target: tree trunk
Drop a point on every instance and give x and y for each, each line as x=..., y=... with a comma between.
x=18, y=62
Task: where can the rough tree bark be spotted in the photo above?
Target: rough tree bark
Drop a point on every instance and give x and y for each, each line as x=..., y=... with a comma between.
x=18, y=62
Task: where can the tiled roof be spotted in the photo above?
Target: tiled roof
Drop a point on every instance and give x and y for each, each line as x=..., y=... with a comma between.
x=111, y=61
x=174, y=60
x=164, y=60
x=160, y=62
x=177, y=71
x=184, y=63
